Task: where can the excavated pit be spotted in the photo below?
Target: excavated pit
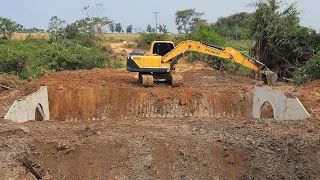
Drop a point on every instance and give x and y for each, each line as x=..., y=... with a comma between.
x=102, y=103
x=101, y=94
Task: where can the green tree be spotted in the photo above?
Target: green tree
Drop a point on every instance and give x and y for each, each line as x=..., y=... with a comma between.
x=149, y=29
x=310, y=72
x=72, y=31
x=186, y=19
x=112, y=27
x=236, y=26
x=8, y=27
x=56, y=24
x=162, y=29
x=32, y=30
x=118, y=28
x=153, y=30
x=165, y=30
x=56, y=27
x=95, y=20
x=204, y=33
x=129, y=29
x=281, y=43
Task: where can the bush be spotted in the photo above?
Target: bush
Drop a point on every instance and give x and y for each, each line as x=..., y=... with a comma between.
x=119, y=64
x=77, y=57
x=206, y=34
x=33, y=57
x=15, y=61
x=308, y=73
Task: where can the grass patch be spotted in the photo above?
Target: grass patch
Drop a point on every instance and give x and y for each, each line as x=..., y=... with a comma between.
x=130, y=45
x=23, y=36
x=119, y=64
x=120, y=37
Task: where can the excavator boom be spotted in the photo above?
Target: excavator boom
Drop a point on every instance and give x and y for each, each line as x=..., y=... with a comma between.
x=225, y=53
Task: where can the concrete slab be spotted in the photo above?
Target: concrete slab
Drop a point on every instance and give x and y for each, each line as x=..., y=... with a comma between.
x=25, y=109
x=284, y=108
x=295, y=110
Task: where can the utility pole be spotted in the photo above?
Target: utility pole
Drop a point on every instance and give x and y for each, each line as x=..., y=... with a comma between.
x=156, y=14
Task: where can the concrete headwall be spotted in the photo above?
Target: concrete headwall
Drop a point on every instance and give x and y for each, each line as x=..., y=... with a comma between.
x=284, y=108
x=25, y=109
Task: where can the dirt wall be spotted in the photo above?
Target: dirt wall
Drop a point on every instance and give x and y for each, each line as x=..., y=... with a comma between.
x=102, y=103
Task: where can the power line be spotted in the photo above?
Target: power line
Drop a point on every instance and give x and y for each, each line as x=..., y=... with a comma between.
x=156, y=14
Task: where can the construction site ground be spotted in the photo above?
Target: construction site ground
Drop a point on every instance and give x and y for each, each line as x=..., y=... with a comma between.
x=104, y=125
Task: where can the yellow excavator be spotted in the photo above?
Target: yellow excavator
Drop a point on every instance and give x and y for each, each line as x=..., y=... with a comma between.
x=160, y=63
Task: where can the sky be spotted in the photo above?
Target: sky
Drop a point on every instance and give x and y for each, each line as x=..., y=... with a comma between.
x=37, y=13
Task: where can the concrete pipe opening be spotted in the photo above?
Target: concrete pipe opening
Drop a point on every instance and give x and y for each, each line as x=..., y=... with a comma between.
x=266, y=111
x=39, y=114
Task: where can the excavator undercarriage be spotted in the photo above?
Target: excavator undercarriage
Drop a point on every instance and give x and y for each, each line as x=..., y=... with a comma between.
x=173, y=78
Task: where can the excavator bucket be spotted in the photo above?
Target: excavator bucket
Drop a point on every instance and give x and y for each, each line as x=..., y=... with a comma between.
x=271, y=76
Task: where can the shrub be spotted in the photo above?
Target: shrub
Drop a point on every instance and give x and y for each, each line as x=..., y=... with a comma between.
x=308, y=73
x=206, y=34
x=119, y=64
x=15, y=61
x=33, y=57
x=78, y=57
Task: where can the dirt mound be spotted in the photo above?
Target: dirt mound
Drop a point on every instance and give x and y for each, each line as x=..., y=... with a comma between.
x=312, y=85
x=310, y=97
x=9, y=81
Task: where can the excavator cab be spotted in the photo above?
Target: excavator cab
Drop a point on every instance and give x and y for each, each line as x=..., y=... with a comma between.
x=161, y=48
x=150, y=66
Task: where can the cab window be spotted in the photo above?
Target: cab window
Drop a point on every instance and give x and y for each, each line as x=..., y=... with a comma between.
x=162, y=48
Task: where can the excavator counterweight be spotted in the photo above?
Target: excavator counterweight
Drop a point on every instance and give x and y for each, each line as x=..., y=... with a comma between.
x=160, y=63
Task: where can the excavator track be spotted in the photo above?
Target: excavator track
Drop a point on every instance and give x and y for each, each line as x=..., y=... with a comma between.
x=146, y=80
x=175, y=79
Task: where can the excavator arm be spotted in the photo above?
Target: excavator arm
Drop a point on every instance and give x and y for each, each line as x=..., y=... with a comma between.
x=225, y=53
